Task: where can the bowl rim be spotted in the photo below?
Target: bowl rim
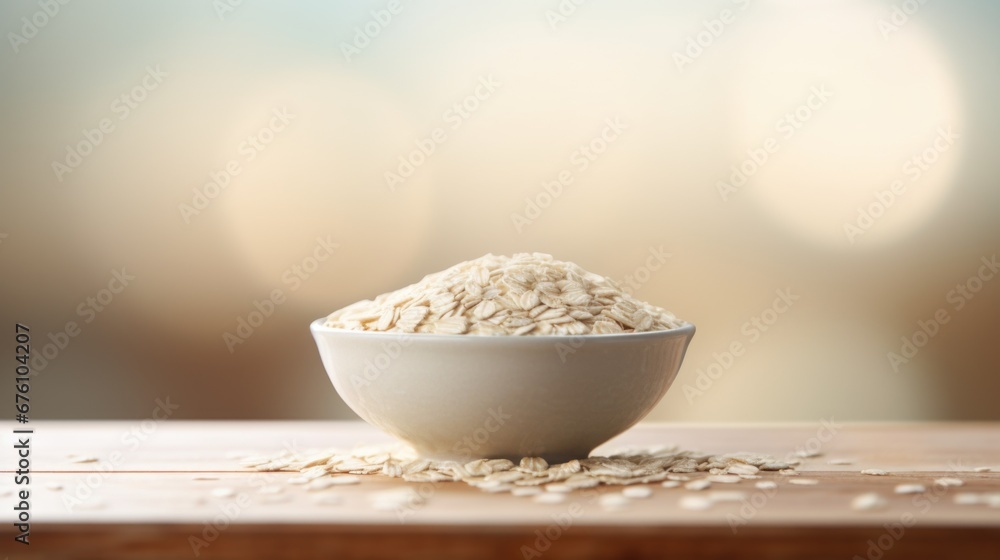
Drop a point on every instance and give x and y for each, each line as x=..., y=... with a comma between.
x=318, y=326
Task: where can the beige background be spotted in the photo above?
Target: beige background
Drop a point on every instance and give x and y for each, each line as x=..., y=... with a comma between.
x=655, y=187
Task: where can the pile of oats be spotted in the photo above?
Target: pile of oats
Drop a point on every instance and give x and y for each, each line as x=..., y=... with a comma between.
x=527, y=294
x=531, y=475
x=706, y=480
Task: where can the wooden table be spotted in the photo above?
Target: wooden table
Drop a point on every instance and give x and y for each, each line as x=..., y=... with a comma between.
x=150, y=495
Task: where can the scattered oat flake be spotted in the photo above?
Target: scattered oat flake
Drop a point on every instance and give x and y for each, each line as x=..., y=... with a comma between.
x=614, y=501
x=396, y=498
x=700, y=484
x=550, y=498
x=766, y=485
x=92, y=504
x=983, y=469
x=875, y=472
x=667, y=464
x=345, y=479
x=319, y=484
x=223, y=492
x=910, y=488
x=205, y=477
x=695, y=503
x=639, y=492
x=54, y=486
x=724, y=478
x=949, y=481
x=743, y=469
x=841, y=462
x=82, y=459
x=727, y=496
x=381, y=505
x=328, y=500
x=534, y=464
x=271, y=499
x=499, y=488
x=968, y=499
x=804, y=481
x=808, y=453
x=523, y=491
x=868, y=501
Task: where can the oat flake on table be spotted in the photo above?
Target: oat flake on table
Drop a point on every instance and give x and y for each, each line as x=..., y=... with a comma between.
x=625, y=468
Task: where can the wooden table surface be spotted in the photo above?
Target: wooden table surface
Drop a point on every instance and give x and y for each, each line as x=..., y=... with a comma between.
x=150, y=495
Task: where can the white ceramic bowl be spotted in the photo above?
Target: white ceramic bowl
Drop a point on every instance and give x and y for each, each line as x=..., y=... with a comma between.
x=461, y=397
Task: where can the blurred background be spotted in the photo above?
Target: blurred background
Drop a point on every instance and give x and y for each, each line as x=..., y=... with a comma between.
x=186, y=185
